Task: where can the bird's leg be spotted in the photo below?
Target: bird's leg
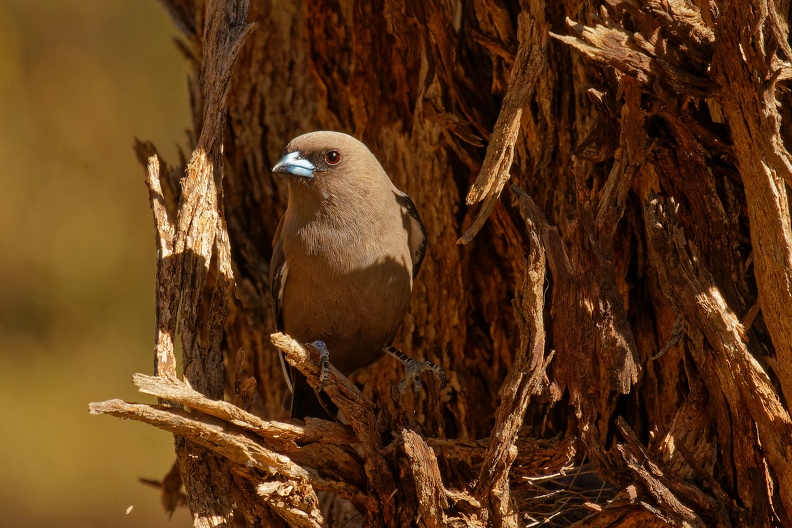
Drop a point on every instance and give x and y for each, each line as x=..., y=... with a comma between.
x=323, y=364
x=413, y=369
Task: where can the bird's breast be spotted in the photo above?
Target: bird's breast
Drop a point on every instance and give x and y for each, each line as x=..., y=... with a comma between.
x=350, y=293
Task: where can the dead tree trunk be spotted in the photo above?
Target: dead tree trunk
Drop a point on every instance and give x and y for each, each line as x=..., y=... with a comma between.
x=626, y=306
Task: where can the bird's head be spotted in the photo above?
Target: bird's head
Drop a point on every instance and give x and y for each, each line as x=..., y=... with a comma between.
x=330, y=164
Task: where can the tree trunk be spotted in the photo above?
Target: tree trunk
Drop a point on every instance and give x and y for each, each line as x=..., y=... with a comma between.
x=623, y=311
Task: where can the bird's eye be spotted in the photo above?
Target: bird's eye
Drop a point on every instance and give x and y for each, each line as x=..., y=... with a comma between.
x=332, y=157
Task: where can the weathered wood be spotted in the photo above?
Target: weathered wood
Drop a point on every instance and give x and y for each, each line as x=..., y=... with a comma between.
x=648, y=138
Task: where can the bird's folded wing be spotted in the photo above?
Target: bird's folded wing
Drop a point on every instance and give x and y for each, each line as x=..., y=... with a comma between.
x=416, y=236
x=279, y=272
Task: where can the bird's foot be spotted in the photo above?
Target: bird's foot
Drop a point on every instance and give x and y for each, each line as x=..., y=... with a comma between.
x=413, y=369
x=323, y=364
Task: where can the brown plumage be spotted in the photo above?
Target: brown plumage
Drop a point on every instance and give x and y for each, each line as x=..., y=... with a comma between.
x=345, y=255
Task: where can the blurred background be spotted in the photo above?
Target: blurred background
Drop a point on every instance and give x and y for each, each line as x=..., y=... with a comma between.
x=78, y=82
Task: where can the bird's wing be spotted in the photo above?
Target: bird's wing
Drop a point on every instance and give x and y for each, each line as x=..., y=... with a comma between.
x=277, y=275
x=416, y=233
x=279, y=272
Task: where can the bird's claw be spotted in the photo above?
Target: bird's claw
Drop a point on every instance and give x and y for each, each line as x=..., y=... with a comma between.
x=412, y=372
x=438, y=372
x=413, y=369
x=323, y=364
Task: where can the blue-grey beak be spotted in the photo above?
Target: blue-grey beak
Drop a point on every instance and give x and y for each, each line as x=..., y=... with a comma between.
x=292, y=163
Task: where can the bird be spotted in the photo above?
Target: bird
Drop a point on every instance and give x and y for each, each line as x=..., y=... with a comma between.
x=345, y=255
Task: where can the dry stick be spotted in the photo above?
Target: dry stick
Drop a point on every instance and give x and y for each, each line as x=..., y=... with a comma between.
x=432, y=496
x=295, y=486
x=429, y=490
x=694, y=296
x=532, y=32
x=285, y=435
x=360, y=414
x=195, y=240
x=277, y=436
x=229, y=441
x=167, y=295
x=618, y=351
x=576, y=334
x=225, y=33
x=698, y=502
x=284, y=438
x=524, y=379
x=628, y=160
x=328, y=438
x=200, y=227
x=226, y=440
x=669, y=507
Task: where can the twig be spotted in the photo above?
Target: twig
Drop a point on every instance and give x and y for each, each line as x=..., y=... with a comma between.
x=532, y=33
x=285, y=435
x=229, y=441
x=211, y=433
x=167, y=295
x=433, y=498
x=677, y=333
x=628, y=161
x=524, y=379
x=358, y=411
x=669, y=507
